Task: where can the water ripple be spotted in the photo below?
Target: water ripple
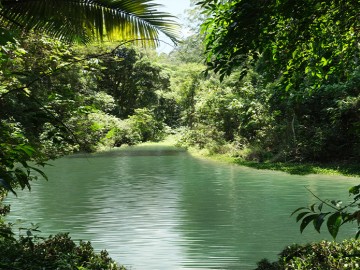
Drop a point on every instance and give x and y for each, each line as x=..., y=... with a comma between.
x=162, y=209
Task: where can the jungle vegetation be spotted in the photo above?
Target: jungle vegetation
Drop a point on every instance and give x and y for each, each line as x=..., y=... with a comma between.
x=50, y=97
x=261, y=81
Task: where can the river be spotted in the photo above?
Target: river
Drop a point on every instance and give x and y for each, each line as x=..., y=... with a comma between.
x=155, y=208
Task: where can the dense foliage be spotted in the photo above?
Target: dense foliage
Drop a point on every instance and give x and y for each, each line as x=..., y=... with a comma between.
x=334, y=211
x=315, y=39
x=53, y=102
x=296, y=88
x=323, y=255
x=55, y=252
x=289, y=89
x=291, y=93
x=62, y=99
x=57, y=99
x=280, y=83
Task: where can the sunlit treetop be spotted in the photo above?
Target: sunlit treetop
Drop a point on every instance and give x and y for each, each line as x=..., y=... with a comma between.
x=319, y=37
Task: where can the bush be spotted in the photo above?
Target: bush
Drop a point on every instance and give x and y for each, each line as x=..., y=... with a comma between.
x=123, y=134
x=143, y=122
x=324, y=255
x=203, y=137
x=56, y=252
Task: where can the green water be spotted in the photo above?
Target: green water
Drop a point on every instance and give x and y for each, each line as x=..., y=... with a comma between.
x=159, y=208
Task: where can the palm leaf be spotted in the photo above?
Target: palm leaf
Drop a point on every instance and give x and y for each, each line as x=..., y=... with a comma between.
x=86, y=20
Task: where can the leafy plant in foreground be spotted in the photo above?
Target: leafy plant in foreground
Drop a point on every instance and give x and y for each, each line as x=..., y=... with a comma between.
x=333, y=212
x=90, y=20
x=15, y=155
x=55, y=252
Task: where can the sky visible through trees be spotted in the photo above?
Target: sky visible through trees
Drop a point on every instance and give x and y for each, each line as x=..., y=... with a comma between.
x=176, y=8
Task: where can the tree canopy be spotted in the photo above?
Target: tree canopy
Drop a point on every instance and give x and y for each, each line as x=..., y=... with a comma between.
x=318, y=38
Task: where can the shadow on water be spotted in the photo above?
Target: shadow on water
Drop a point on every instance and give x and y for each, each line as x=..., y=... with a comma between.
x=349, y=169
x=135, y=151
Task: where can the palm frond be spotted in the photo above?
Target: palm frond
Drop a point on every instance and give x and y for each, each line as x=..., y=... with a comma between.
x=85, y=20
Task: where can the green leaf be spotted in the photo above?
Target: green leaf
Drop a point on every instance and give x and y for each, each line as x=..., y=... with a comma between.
x=297, y=210
x=40, y=172
x=287, y=88
x=301, y=215
x=333, y=224
x=306, y=221
x=27, y=149
x=22, y=178
x=294, y=53
x=319, y=221
x=320, y=206
x=324, y=62
x=85, y=20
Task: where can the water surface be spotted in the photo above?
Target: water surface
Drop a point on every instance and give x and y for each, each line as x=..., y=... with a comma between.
x=159, y=208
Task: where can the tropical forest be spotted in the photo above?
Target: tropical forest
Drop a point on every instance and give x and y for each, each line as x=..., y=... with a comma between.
x=237, y=148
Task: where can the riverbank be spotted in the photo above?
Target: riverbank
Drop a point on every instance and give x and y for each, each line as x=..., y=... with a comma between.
x=336, y=168
x=344, y=169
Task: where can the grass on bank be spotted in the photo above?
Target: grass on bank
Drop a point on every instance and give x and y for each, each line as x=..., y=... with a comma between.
x=352, y=170
x=344, y=169
x=340, y=168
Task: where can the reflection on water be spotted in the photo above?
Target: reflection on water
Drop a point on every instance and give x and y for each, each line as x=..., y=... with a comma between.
x=159, y=208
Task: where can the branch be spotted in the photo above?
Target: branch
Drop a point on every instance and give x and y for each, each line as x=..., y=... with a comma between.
x=321, y=200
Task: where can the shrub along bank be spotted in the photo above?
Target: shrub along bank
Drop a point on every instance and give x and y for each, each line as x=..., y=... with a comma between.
x=56, y=252
x=31, y=252
x=321, y=256
x=304, y=168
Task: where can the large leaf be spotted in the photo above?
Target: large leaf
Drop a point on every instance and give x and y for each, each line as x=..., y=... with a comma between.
x=319, y=221
x=306, y=221
x=40, y=172
x=84, y=20
x=301, y=215
x=22, y=178
x=333, y=223
x=298, y=209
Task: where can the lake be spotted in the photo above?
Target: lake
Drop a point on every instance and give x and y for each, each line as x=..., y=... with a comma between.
x=160, y=208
